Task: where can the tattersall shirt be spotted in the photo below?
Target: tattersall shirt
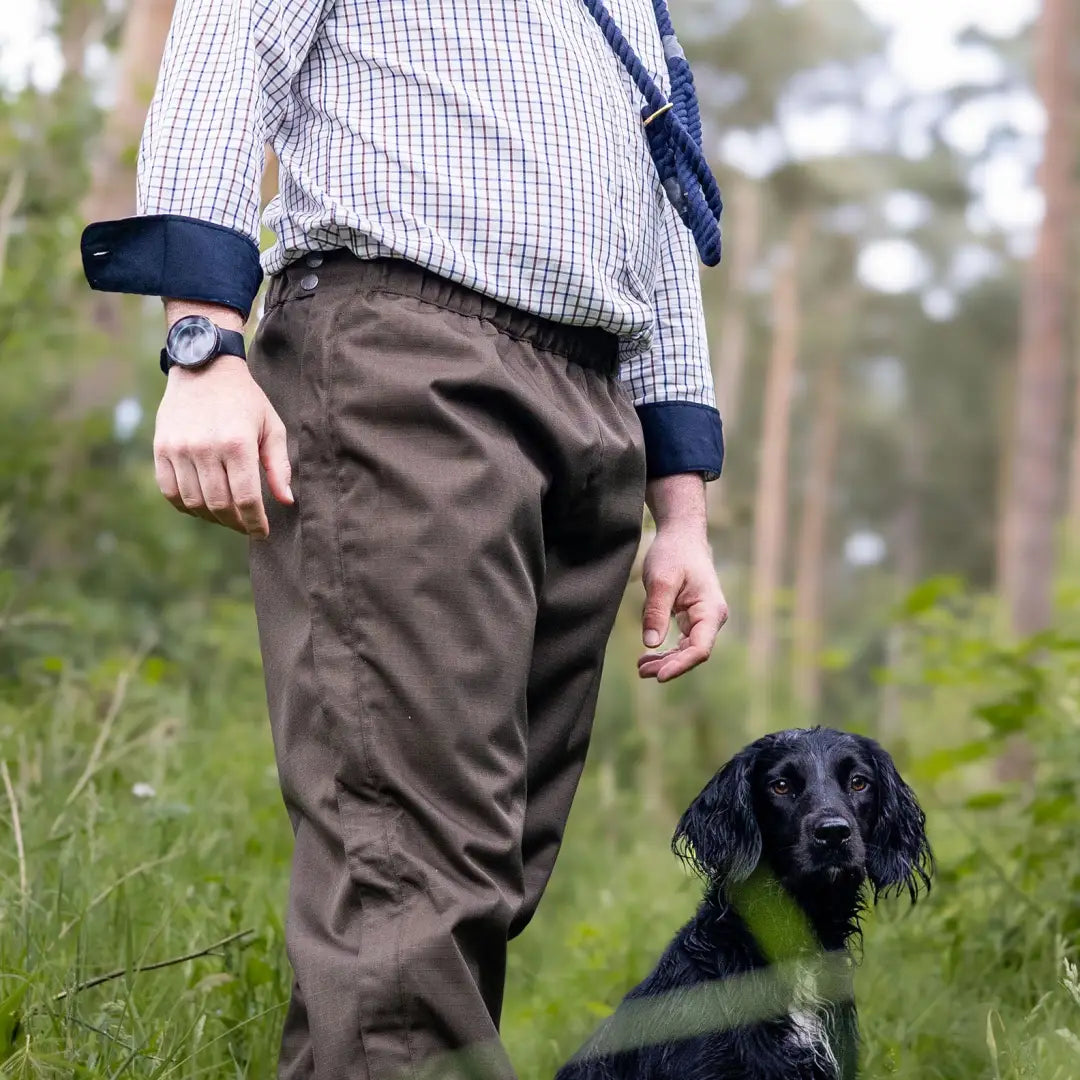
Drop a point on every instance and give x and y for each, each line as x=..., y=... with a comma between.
x=498, y=143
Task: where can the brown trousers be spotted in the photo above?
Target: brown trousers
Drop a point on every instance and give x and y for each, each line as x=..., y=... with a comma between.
x=433, y=615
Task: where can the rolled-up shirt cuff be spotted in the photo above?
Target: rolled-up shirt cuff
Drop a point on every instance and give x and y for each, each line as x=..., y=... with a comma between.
x=169, y=255
x=681, y=437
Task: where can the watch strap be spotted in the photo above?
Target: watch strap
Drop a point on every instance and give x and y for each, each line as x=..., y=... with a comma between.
x=232, y=343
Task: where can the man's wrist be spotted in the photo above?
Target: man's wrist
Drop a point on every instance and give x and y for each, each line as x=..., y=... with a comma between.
x=678, y=502
x=223, y=365
x=219, y=314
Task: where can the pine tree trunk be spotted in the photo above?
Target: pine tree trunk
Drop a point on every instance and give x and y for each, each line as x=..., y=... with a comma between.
x=1006, y=402
x=10, y=201
x=770, y=511
x=112, y=186
x=809, y=611
x=80, y=24
x=112, y=191
x=729, y=361
x=1028, y=559
x=1074, y=456
x=270, y=176
x=905, y=541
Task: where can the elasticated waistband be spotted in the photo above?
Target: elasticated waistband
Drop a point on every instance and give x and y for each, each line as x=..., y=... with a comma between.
x=590, y=347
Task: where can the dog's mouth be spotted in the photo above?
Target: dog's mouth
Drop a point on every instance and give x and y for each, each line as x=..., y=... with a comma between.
x=833, y=861
x=840, y=871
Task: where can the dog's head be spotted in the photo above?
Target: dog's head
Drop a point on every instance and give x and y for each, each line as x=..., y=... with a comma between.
x=816, y=806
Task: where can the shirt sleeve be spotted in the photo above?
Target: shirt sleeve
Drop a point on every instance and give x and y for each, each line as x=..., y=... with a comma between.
x=222, y=94
x=671, y=380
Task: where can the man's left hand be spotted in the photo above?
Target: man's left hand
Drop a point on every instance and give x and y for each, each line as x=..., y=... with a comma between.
x=680, y=579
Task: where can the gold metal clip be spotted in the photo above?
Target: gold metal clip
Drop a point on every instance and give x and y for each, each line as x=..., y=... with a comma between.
x=659, y=112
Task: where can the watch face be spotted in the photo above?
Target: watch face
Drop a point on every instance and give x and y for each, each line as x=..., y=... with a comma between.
x=193, y=340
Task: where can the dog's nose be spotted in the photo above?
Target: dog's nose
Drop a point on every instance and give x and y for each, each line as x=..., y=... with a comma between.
x=832, y=831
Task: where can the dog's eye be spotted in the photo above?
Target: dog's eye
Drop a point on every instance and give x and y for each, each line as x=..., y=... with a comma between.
x=780, y=787
x=859, y=783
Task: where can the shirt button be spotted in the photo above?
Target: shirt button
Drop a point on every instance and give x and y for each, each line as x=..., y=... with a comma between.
x=309, y=281
x=314, y=259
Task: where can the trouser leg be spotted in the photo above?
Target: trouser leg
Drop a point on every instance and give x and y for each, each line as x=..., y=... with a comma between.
x=441, y=470
x=588, y=560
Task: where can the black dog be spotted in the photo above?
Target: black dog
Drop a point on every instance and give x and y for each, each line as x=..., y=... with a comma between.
x=757, y=985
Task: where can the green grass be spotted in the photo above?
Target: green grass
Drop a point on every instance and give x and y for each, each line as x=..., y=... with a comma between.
x=110, y=878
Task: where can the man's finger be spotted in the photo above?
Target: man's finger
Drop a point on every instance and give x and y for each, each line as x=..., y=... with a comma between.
x=722, y=614
x=659, y=600
x=215, y=489
x=697, y=650
x=274, y=455
x=649, y=664
x=651, y=669
x=650, y=657
x=243, y=473
x=191, y=495
x=663, y=654
x=167, y=484
x=687, y=659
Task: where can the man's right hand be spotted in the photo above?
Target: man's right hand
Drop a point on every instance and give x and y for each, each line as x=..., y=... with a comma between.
x=214, y=429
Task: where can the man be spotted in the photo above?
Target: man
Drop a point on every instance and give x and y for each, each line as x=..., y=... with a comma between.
x=484, y=321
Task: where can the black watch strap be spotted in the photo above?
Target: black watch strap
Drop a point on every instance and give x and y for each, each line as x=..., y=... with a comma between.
x=232, y=344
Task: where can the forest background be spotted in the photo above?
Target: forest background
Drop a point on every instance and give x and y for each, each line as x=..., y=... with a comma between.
x=898, y=529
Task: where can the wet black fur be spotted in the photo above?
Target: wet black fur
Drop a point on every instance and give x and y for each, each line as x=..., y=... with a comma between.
x=740, y=835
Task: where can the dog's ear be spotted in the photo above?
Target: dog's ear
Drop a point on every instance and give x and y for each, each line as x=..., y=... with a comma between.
x=718, y=835
x=899, y=855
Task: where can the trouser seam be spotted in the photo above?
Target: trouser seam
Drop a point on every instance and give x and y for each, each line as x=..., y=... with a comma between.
x=306, y=362
x=373, y=772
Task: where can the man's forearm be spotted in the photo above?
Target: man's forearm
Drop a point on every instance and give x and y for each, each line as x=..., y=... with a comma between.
x=678, y=501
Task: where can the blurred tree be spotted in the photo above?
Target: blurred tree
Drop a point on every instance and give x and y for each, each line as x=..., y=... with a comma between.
x=744, y=206
x=1074, y=455
x=1032, y=506
x=112, y=187
x=810, y=555
x=80, y=24
x=770, y=514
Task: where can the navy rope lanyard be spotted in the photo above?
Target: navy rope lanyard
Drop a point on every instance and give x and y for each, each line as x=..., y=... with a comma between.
x=673, y=129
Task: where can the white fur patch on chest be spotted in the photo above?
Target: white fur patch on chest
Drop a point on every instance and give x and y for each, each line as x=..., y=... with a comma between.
x=807, y=1028
x=809, y=1035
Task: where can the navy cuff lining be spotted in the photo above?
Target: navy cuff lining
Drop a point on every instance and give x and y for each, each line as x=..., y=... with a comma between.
x=681, y=437
x=174, y=256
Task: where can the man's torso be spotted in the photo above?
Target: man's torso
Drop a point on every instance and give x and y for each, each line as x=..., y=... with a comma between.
x=499, y=144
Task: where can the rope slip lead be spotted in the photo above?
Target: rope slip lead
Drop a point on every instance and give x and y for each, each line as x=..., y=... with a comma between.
x=673, y=129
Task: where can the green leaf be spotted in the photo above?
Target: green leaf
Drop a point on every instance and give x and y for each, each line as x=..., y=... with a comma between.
x=1010, y=714
x=835, y=659
x=10, y=1019
x=935, y=765
x=209, y=983
x=929, y=594
x=1046, y=811
x=258, y=972
x=988, y=800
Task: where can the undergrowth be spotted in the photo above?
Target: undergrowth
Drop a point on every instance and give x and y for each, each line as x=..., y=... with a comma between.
x=144, y=863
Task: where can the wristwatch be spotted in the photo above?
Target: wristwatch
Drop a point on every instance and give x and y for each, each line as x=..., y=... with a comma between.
x=194, y=341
